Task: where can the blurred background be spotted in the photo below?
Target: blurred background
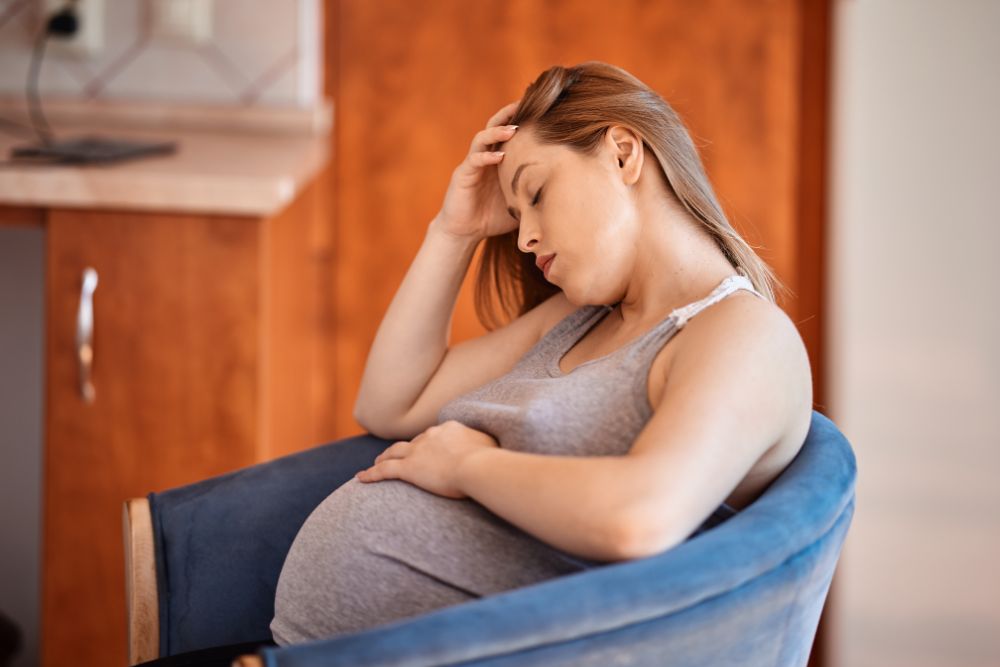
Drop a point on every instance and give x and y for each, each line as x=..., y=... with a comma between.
x=209, y=304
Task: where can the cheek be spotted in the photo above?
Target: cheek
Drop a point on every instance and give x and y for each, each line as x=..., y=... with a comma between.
x=602, y=208
x=592, y=227
x=612, y=235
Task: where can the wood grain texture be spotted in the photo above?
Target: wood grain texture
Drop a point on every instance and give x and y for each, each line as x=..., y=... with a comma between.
x=814, y=109
x=141, y=598
x=176, y=356
x=814, y=152
x=210, y=339
x=296, y=315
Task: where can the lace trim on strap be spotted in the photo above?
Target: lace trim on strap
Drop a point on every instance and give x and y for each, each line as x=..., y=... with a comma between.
x=726, y=287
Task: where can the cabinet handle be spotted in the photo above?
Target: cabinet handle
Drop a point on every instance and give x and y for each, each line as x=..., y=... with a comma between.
x=85, y=333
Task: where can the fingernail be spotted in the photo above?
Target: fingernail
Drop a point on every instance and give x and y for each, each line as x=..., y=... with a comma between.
x=512, y=127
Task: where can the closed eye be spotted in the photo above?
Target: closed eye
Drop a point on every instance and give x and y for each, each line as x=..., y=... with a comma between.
x=534, y=201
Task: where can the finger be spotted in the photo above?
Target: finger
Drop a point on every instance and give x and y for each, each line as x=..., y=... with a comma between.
x=390, y=469
x=504, y=114
x=394, y=451
x=486, y=157
x=471, y=169
x=482, y=140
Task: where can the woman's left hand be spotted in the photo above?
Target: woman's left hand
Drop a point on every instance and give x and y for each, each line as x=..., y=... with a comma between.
x=431, y=460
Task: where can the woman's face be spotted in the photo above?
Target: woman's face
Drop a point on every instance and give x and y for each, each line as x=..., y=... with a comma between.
x=578, y=207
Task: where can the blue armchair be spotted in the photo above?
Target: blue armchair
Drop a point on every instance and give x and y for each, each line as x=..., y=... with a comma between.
x=202, y=563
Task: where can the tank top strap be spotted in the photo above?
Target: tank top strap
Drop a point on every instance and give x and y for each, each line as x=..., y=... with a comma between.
x=640, y=350
x=646, y=348
x=728, y=285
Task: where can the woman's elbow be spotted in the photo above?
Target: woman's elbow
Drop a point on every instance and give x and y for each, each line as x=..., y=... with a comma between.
x=633, y=538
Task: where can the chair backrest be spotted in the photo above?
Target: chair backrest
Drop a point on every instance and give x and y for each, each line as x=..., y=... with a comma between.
x=749, y=592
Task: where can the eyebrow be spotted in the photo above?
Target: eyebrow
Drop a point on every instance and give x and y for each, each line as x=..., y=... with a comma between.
x=517, y=175
x=513, y=187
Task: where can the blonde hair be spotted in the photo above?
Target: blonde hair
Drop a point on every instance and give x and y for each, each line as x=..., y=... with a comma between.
x=574, y=107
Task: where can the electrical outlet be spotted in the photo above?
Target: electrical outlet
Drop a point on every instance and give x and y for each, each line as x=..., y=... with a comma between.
x=187, y=21
x=89, y=38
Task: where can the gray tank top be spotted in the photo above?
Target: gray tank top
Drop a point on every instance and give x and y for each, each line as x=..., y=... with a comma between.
x=596, y=409
x=377, y=552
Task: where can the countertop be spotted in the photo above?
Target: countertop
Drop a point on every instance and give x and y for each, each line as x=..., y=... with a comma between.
x=245, y=171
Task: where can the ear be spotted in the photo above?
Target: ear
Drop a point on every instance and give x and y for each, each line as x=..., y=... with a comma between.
x=625, y=148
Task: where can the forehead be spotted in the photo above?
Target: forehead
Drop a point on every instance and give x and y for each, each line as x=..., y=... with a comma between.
x=521, y=149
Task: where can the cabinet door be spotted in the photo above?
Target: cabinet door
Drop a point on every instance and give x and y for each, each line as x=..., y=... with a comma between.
x=174, y=370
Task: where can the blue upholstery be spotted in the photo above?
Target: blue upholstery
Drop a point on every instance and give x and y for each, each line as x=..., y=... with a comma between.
x=747, y=592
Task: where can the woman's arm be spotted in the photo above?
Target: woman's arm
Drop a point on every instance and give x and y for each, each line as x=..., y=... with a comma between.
x=413, y=336
x=566, y=501
x=739, y=381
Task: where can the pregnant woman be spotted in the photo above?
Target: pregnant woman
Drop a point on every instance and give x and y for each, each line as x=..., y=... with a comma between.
x=645, y=388
x=647, y=385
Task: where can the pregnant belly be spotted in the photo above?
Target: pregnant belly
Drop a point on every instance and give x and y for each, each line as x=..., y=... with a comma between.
x=378, y=552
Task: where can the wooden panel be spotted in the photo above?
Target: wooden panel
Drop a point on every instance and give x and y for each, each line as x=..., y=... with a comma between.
x=814, y=105
x=176, y=339
x=326, y=386
x=810, y=285
x=297, y=318
x=21, y=216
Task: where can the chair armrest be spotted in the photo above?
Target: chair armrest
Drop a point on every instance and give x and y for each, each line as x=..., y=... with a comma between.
x=140, y=582
x=518, y=626
x=220, y=543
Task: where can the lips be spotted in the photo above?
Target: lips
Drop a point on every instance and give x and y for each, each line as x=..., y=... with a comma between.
x=545, y=267
x=543, y=261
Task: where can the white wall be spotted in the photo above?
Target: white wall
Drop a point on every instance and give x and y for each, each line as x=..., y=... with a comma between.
x=262, y=53
x=915, y=329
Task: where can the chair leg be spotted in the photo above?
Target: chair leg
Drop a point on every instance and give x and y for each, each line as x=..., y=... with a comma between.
x=140, y=582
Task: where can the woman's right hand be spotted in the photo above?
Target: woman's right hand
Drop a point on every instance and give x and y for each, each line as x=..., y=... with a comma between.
x=474, y=207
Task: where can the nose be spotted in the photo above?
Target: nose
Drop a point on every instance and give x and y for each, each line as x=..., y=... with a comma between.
x=526, y=237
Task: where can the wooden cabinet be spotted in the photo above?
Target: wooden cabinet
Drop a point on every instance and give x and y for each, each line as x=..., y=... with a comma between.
x=209, y=343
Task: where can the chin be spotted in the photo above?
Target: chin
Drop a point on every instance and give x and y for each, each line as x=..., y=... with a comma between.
x=578, y=300
x=570, y=297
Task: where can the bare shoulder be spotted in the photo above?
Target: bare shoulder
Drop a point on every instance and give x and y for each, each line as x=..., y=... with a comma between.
x=759, y=330
x=744, y=319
